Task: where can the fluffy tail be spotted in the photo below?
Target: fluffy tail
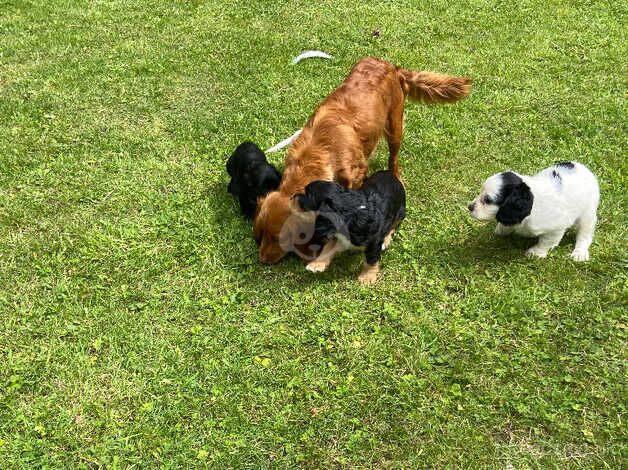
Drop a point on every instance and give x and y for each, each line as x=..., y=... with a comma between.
x=430, y=87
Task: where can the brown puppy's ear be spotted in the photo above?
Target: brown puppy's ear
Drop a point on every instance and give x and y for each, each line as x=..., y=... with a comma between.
x=258, y=221
x=257, y=234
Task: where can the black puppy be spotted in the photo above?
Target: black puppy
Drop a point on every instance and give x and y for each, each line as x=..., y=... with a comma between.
x=251, y=176
x=363, y=219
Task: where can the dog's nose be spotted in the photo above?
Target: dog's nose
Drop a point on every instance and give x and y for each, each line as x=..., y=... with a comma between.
x=471, y=206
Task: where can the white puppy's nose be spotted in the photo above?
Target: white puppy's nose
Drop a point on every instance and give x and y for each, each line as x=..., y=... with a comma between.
x=471, y=206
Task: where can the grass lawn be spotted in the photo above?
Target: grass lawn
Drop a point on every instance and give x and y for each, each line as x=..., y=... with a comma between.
x=137, y=328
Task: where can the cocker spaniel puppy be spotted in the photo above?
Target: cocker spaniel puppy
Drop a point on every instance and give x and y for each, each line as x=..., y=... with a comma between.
x=544, y=205
x=361, y=220
x=251, y=176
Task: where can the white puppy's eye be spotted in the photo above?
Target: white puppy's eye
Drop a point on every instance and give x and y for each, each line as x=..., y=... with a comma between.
x=487, y=199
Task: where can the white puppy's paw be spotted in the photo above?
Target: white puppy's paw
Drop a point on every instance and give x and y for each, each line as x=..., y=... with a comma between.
x=316, y=266
x=502, y=230
x=580, y=255
x=536, y=251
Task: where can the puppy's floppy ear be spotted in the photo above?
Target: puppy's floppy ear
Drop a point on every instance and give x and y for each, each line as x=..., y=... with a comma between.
x=516, y=202
x=316, y=193
x=247, y=179
x=259, y=220
x=308, y=202
x=271, y=180
x=276, y=176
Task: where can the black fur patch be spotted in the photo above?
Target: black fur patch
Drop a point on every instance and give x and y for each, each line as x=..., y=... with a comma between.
x=568, y=165
x=515, y=200
x=316, y=193
x=365, y=216
x=251, y=176
x=508, y=179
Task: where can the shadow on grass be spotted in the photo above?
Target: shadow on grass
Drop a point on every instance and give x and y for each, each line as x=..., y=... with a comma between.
x=484, y=248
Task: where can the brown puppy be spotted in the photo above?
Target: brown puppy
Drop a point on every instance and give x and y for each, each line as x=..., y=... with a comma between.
x=341, y=135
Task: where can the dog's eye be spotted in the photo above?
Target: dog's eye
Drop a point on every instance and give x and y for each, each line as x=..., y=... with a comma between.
x=302, y=236
x=487, y=199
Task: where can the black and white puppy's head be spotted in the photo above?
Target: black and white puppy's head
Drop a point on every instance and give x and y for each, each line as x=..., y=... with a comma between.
x=504, y=197
x=251, y=176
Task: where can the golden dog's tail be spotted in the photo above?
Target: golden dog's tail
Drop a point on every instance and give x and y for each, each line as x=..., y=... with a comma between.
x=431, y=87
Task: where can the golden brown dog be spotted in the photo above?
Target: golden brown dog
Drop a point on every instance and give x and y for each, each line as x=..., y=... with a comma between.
x=341, y=135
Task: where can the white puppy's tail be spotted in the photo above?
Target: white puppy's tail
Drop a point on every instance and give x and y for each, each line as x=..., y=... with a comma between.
x=296, y=60
x=309, y=55
x=285, y=142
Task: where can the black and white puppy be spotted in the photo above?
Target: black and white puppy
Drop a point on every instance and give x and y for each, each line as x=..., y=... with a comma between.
x=544, y=205
x=251, y=176
x=345, y=219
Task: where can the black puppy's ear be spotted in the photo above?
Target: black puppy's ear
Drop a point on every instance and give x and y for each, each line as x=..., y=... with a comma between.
x=308, y=202
x=317, y=193
x=246, y=179
x=516, y=204
x=272, y=180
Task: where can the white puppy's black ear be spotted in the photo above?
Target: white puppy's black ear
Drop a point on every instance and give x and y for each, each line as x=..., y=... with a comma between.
x=515, y=200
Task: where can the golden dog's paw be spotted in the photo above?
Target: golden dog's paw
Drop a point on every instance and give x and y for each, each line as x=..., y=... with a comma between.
x=316, y=266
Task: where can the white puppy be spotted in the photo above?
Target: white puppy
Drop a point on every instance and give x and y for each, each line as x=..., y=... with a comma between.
x=544, y=205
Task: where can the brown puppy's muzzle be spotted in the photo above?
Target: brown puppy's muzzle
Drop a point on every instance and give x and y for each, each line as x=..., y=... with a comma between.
x=270, y=255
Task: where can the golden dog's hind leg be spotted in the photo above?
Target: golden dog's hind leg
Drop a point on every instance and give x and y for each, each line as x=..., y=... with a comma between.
x=394, y=134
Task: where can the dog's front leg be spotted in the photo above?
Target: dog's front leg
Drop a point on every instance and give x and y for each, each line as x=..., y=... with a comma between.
x=584, y=237
x=323, y=261
x=388, y=239
x=503, y=230
x=370, y=270
x=369, y=273
x=546, y=242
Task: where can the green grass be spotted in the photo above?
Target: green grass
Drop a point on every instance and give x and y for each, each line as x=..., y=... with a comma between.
x=137, y=327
